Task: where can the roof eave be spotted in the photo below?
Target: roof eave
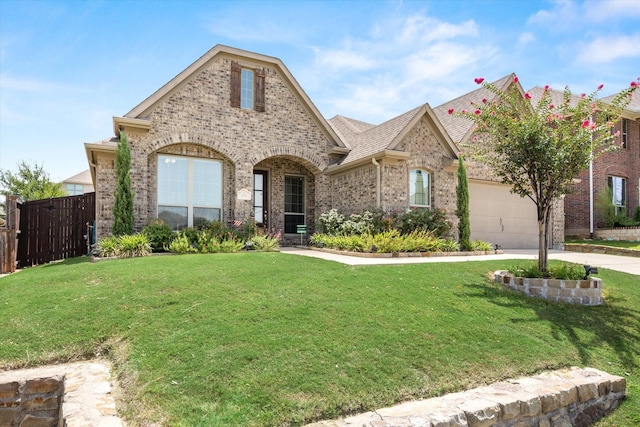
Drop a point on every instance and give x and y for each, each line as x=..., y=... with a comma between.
x=384, y=154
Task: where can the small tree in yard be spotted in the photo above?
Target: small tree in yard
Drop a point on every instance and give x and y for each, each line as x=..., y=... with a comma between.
x=30, y=182
x=123, y=206
x=462, y=209
x=539, y=149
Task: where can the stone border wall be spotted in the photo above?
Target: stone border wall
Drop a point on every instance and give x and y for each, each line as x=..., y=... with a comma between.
x=601, y=249
x=400, y=254
x=568, y=397
x=583, y=292
x=32, y=402
x=619, y=233
x=71, y=395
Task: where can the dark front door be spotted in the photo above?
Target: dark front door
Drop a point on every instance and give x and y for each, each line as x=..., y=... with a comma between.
x=260, y=198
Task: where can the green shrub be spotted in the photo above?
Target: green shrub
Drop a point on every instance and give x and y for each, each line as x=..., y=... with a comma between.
x=265, y=243
x=159, y=234
x=330, y=222
x=479, y=245
x=567, y=271
x=108, y=246
x=449, y=245
x=604, y=207
x=181, y=244
x=229, y=246
x=124, y=246
x=208, y=243
x=529, y=270
x=133, y=245
x=636, y=215
x=423, y=219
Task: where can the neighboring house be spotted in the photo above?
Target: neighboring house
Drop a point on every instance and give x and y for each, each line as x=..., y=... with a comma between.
x=618, y=170
x=234, y=137
x=78, y=184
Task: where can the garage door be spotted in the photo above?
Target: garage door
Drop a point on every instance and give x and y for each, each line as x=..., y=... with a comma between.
x=502, y=218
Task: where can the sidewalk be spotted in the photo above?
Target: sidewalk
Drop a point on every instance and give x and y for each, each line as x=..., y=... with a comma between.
x=613, y=262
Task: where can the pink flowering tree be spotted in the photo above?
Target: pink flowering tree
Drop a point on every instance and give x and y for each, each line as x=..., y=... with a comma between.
x=540, y=148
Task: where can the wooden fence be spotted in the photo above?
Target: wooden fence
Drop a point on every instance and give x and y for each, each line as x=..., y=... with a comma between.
x=53, y=229
x=9, y=236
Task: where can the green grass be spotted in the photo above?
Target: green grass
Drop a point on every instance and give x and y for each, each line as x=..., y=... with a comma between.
x=266, y=339
x=614, y=243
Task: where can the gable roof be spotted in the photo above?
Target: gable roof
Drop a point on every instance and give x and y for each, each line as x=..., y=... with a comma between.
x=460, y=128
x=139, y=114
x=83, y=177
x=368, y=141
x=632, y=110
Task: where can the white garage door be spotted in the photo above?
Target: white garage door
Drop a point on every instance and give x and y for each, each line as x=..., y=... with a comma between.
x=502, y=218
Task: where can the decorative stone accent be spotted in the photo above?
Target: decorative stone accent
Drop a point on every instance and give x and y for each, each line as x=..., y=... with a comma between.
x=583, y=292
x=600, y=249
x=620, y=233
x=403, y=254
x=73, y=395
x=568, y=397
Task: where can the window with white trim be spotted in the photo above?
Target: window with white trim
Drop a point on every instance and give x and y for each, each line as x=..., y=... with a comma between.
x=419, y=188
x=618, y=186
x=74, y=189
x=294, y=212
x=189, y=191
x=625, y=132
x=246, y=89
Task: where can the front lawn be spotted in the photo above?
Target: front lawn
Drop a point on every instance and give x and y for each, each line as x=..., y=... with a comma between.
x=267, y=339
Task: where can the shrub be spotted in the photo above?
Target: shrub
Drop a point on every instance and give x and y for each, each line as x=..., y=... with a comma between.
x=423, y=219
x=636, y=215
x=530, y=270
x=124, y=246
x=133, y=245
x=567, y=271
x=265, y=243
x=159, y=234
x=479, y=245
x=330, y=222
x=228, y=246
x=208, y=243
x=181, y=244
x=108, y=246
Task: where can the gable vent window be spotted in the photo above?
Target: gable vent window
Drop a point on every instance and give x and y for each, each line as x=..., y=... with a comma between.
x=247, y=88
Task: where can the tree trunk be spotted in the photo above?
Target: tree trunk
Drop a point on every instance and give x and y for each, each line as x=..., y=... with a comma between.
x=543, y=239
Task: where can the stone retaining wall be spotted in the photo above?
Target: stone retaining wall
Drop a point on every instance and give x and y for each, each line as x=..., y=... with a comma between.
x=584, y=292
x=620, y=233
x=401, y=254
x=31, y=402
x=72, y=395
x=601, y=249
x=570, y=397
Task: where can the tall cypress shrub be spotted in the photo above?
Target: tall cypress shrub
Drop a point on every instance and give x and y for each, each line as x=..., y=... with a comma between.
x=462, y=208
x=123, y=206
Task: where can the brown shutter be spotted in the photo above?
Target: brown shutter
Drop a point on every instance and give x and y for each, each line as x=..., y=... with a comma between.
x=235, y=84
x=259, y=90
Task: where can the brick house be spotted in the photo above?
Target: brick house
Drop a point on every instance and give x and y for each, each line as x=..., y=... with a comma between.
x=234, y=136
x=618, y=170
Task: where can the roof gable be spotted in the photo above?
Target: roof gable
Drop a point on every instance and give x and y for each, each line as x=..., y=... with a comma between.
x=142, y=110
x=460, y=128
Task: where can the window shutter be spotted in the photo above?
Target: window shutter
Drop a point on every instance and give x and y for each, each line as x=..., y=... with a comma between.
x=235, y=84
x=259, y=90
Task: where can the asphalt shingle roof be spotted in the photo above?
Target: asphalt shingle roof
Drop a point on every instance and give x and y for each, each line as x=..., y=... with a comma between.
x=458, y=127
x=371, y=139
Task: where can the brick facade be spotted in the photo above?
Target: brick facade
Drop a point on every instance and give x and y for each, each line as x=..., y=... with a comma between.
x=623, y=162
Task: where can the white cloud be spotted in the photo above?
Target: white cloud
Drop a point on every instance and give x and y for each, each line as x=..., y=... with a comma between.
x=603, y=11
x=608, y=49
x=346, y=59
x=425, y=29
x=526, y=38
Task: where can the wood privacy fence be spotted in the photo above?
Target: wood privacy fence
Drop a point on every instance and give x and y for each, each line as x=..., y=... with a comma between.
x=53, y=229
x=9, y=236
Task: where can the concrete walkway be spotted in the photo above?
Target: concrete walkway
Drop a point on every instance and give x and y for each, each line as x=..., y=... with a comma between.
x=613, y=262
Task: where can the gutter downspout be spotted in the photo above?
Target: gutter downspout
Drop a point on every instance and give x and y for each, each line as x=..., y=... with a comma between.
x=375, y=162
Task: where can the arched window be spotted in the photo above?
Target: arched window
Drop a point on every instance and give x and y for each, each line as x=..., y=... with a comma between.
x=419, y=188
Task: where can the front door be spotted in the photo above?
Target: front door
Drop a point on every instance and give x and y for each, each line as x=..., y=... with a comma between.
x=260, y=199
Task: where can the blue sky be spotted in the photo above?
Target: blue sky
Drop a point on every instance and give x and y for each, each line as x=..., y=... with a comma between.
x=67, y=67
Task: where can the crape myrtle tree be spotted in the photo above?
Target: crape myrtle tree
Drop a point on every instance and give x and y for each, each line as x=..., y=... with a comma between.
x=539, y=149
x=462, y=207
x=123, y=206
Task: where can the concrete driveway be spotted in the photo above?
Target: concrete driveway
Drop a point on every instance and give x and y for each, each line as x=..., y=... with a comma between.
x=614, y=262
